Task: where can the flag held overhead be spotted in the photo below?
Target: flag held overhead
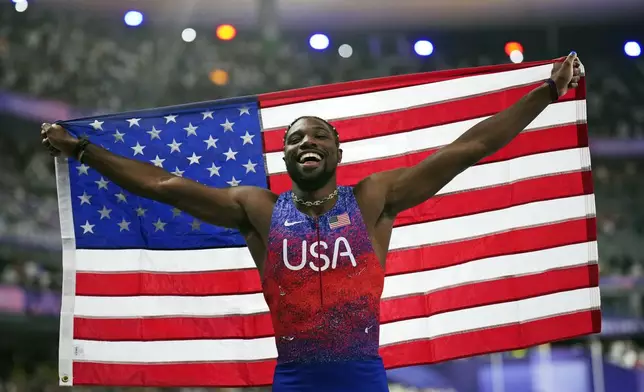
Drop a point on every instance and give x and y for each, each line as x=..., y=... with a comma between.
x=503, y=257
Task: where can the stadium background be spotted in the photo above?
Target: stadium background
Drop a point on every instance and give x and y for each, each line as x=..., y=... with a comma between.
x=63, y=59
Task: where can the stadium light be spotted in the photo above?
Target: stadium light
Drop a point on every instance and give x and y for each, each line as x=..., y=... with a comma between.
x=423, y=47
x=516, y=56
x=218, y=77
x=632, y=49
x=21, y=5
x=133, y=18
x=319, y=41
x=188, y=35
x=226, y=32
x=513, y=46
x=345, y=51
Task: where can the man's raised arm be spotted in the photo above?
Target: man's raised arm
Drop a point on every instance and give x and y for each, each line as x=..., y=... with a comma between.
x=407, y=187
x=222, y=207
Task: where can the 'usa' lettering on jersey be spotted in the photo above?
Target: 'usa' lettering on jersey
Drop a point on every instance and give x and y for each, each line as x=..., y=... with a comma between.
x=337, y=252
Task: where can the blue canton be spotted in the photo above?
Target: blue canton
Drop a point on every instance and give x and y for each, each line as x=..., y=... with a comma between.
x=216, y=143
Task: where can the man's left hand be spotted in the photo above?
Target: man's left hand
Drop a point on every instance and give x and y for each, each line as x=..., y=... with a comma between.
x=566, y=74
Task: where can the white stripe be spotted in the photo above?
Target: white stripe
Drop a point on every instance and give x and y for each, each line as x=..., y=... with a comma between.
x=492, y=268
x=395, y=286
x=512, y=170
x=153, y=306
x=490, y=316
x=400, y=331
x=402, y=98
x=177, y=350
x=132, y=260
x=68, y=292
x=195, y=260
x=427, y=138
x=526, y=215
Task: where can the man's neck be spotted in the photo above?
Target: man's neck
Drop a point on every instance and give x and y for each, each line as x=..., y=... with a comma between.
x=315, y=195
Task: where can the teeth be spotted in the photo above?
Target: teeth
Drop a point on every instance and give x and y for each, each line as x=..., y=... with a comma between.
x=310, y=155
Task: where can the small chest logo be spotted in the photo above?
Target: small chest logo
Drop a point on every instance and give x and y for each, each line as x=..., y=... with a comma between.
x=341, y=220
x=289, y=224
x=340, y=242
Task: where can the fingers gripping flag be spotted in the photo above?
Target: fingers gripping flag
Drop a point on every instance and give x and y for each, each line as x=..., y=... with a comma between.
x=504, y=256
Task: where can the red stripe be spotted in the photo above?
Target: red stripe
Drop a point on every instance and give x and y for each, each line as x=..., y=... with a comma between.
x=151, y=283
x=406, y=354
x=221, y=374
x=511, y=242
x=499, y=197
x=173, y=328
x=400, y=121
x=423, y=305
x=486, y=341
x=247, y=281
x=528, y=143
x=488, y=293
x=378, y=84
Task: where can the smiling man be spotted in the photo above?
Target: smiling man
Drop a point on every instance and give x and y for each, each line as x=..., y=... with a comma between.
x=321, y=248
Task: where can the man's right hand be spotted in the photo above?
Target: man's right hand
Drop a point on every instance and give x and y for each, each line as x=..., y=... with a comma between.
x=57, y=140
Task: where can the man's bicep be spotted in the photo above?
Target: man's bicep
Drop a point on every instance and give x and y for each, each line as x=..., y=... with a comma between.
x=373, y=191
x=218, y=206
x=414, y=185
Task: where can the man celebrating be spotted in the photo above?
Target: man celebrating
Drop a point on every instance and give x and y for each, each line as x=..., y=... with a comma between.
x=321, y=249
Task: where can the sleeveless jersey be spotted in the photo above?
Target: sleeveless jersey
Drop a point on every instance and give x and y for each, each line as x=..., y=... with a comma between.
x=323, y=282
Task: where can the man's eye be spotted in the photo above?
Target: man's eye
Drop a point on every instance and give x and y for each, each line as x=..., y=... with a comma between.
x=321, y=136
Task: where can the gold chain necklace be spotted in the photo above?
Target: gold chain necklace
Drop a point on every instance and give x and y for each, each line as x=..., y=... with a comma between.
x=317, y=202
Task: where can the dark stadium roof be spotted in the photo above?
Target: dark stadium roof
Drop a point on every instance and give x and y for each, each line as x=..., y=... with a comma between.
x=362, y=13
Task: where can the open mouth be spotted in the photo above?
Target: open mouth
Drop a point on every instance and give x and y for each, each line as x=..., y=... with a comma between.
x=309, y=159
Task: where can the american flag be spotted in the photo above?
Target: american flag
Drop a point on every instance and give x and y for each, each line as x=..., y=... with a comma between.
x=505, y=255
x=339, y=221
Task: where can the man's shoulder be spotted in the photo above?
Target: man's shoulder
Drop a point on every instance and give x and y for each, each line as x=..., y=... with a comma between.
x=255, y=194
x=371, y=193
x=376, y=183
x=258, y=206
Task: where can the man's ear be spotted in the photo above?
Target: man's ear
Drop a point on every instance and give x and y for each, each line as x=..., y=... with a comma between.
x=339, y=155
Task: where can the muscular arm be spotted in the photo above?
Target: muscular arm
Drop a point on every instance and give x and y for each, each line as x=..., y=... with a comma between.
x=411, y=186
x=222, y=207
x=407, y=187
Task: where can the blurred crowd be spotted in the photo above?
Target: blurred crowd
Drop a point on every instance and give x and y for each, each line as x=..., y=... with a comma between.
x=29, y=190
x=103, y=65
x=626, y=353
x=619, y=193
x=30, y=274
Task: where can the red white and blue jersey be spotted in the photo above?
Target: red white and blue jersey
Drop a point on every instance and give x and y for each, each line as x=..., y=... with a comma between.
x=323, y=282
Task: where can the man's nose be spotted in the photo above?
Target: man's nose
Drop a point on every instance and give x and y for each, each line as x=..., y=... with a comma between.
x=308, y=141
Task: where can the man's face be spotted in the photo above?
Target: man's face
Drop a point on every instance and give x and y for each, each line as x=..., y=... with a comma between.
x=311, y=153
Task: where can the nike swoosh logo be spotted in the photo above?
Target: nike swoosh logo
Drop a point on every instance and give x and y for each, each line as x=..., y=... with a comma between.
x=287, y=223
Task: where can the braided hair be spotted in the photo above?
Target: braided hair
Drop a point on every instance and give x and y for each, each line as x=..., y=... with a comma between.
x=335, y=131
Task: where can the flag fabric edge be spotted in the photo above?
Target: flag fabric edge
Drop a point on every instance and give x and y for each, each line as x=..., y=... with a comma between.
x=286, y=97
x=66, y=333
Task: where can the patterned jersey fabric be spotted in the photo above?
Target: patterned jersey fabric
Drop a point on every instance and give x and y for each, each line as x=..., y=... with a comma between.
x=323, y=282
